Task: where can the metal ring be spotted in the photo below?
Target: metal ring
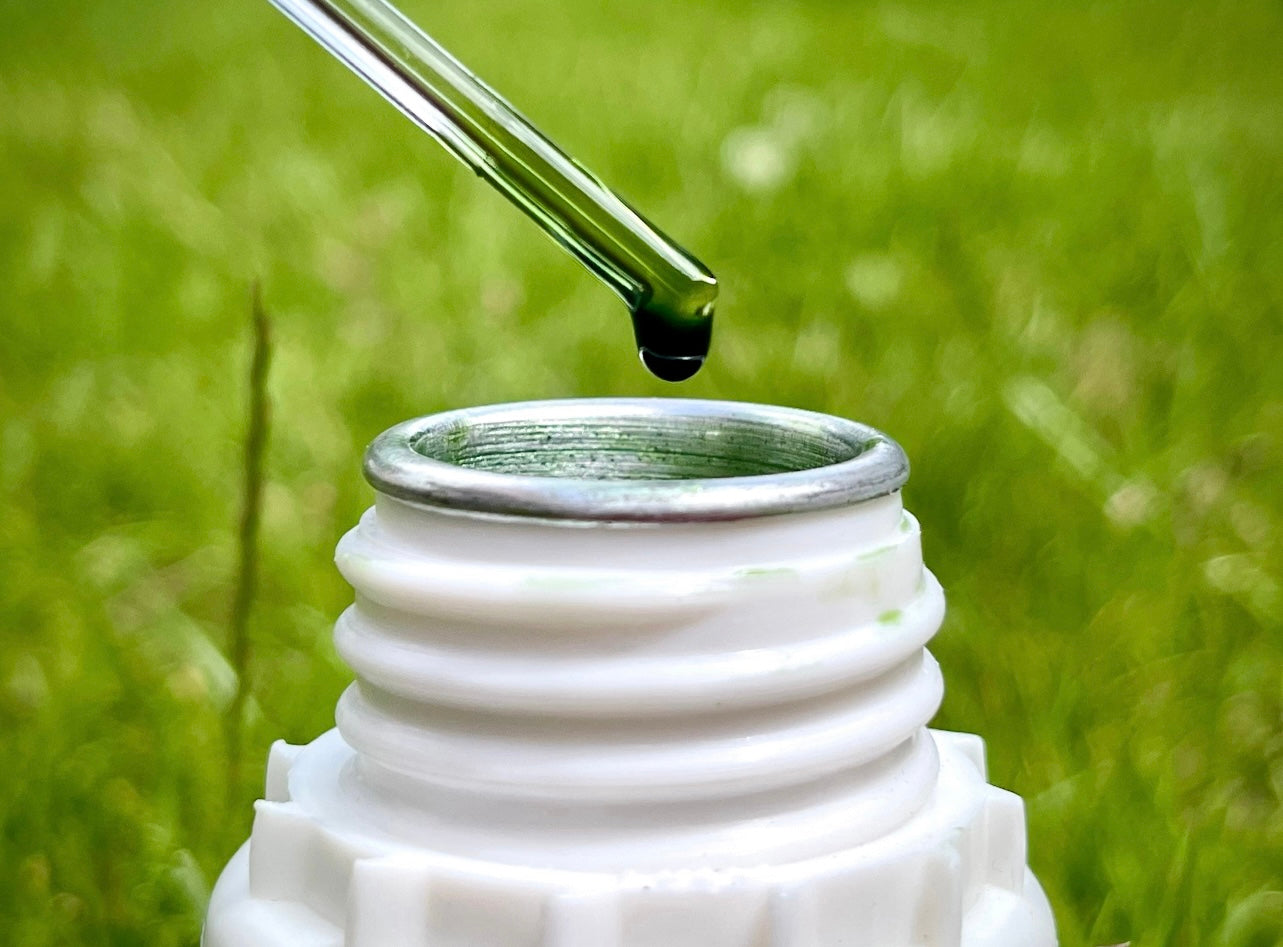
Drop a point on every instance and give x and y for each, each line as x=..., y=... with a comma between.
x=638, y=460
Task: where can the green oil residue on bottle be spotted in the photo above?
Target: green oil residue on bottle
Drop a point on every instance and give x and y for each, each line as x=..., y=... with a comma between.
x=670, y=294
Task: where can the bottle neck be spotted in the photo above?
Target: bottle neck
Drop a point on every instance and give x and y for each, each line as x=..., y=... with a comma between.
x=650, y=692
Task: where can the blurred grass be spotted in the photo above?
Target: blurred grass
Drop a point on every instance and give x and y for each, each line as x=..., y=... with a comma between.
x=1041, y=246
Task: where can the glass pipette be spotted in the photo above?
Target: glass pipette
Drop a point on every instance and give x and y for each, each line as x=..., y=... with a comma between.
x=670, y=294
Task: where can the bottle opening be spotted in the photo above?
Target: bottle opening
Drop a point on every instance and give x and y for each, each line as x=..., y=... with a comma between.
x=634, y=460
x=665, y=447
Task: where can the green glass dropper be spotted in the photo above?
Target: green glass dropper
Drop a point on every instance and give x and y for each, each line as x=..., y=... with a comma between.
x=670, y=293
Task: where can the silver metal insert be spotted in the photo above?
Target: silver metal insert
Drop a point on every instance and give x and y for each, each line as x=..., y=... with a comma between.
x=648, y=460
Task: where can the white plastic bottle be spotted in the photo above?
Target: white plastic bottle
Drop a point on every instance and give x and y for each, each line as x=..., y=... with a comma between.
x=635, y=673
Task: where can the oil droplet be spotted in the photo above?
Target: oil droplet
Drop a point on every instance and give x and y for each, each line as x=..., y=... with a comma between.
x=671, y=367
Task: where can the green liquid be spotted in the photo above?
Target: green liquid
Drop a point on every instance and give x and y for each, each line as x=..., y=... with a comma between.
x=670, y=294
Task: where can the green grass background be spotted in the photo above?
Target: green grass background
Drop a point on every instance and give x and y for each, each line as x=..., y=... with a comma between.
x=1040, y=244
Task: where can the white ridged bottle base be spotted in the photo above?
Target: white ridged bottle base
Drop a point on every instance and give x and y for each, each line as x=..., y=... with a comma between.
x=680, y=732
x=316, y=874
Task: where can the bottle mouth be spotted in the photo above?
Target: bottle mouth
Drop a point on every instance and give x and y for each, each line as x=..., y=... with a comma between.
x=634, y=460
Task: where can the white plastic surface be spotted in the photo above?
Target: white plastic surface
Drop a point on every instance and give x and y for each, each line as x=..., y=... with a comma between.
x=679, y=735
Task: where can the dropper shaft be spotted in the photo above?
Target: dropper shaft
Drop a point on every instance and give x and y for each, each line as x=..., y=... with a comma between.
x=655, y=277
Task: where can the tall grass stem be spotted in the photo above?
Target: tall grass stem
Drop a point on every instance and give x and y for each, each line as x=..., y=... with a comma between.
x=240, y=652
